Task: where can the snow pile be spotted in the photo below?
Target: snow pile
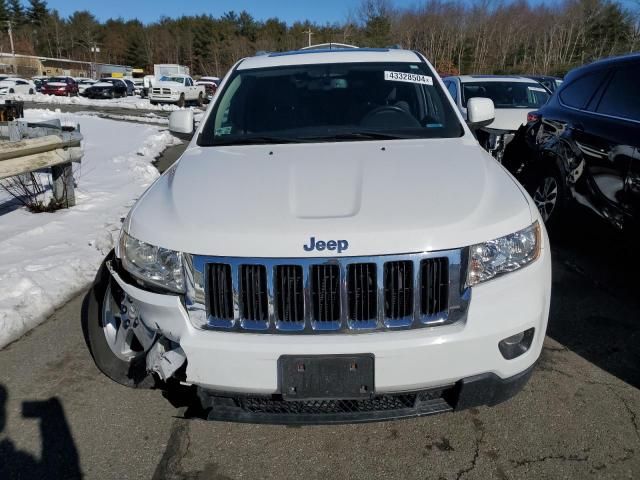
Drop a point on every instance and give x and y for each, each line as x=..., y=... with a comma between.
x=132, y=103
x=46, y=258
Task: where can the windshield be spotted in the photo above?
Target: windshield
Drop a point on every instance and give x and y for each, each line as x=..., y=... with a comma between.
x=328, y=102
x=506, y=94
x=172, y=79
x=58, y=79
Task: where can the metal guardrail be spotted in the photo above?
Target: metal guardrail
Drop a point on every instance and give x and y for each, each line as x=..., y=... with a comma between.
x=31, y=147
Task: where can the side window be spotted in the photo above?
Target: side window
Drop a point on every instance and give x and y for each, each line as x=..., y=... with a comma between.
x=621, y=98
x=189, y=82
x=453, y=90
x=578, y=93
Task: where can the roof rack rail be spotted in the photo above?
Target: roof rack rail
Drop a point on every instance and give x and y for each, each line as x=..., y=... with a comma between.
x=330, y=46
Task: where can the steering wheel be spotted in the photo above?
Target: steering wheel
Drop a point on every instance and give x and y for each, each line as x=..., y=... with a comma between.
x=389, y=115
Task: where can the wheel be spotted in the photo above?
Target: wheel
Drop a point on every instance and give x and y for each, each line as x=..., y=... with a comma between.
x=181, y=101
x=118, y=341
x=200, y=100
x=548, y=191
x=11, y=90
x=152, y=102
x=31, y=91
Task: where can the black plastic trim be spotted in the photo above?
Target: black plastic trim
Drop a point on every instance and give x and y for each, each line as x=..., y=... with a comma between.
x=485, y=389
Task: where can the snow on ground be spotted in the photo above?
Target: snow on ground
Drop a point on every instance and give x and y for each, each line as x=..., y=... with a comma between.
x=46, y=258
x=132, y=103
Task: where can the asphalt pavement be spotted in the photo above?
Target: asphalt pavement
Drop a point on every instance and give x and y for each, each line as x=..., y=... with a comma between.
x=579, y=416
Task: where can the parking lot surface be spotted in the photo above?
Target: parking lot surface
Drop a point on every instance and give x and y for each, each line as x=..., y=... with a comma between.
x=579, y=417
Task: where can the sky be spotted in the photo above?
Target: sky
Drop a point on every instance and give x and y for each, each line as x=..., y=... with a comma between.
x=322, y=11
x=147, y=11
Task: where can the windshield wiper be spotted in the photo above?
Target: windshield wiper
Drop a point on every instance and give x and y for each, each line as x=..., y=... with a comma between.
x=362, y=135
x=258, y=140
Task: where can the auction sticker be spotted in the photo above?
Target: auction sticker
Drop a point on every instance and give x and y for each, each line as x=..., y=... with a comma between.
x=537, y=89
x=408, y=77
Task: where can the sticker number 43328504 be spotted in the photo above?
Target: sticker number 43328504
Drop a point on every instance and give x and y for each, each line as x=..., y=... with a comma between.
x=408, y=77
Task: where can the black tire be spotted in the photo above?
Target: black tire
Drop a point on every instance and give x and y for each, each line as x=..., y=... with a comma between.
x=200, y=100
x=131, y=374
x=31, y=91
x=11, y=90
x=181, y=101
x=549, y=192
x=152, y=102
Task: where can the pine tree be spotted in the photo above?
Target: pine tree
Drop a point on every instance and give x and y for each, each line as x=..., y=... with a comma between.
x=16, y=12
x=37, y=12
x=4, y=13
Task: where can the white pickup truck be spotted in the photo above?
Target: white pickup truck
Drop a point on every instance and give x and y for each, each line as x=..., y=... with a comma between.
x=178, y=89
x=333, y=246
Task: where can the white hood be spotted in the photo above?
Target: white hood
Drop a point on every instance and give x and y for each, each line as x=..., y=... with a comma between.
x=383, y=197
x=509, y=118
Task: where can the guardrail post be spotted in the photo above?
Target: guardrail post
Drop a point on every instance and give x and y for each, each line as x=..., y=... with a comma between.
x=62, y=183
x=17, y=130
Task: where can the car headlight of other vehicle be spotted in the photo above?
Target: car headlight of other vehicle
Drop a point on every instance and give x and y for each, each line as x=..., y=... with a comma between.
x=153, y=265
x=502, y=255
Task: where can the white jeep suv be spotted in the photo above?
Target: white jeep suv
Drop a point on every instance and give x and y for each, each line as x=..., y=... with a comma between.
x=333, y=246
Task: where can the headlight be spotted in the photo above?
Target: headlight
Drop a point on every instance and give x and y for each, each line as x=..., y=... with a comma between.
x=502, y=255
x=155, y=265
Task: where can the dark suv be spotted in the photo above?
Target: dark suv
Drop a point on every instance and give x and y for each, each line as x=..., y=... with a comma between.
x=584, y=144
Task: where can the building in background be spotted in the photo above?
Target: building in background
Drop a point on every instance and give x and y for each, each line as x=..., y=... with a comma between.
x=30, y=66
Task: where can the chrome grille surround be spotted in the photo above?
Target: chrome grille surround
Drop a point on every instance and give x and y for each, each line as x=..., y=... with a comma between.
x=196, y=271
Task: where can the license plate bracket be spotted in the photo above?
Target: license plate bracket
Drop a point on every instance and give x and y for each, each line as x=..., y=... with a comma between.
x=319, y=377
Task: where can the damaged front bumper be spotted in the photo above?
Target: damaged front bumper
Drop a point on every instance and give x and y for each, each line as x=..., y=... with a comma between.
x=161, y=313
x=417, y=372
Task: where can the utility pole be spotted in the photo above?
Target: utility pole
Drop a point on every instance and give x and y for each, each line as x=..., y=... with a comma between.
x=13, y=52
x=309, y=33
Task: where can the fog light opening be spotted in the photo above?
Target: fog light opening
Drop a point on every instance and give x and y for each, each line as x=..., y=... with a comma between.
x=515, y=345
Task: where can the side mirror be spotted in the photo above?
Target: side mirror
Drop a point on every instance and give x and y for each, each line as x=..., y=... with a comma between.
x=480, y=112
x=182, y=124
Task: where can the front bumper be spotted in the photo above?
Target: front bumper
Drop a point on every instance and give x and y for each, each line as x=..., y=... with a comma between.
x=405, y=361
x=164, y=98
x=99, y=94
x=486, y=389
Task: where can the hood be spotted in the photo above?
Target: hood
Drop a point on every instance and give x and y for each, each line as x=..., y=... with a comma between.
x=382, y=197
x=509, y=118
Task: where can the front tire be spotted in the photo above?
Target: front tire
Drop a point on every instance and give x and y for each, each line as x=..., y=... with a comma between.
x=549, y=193
x=181, y=101
x=112, y=340
x=200, y=100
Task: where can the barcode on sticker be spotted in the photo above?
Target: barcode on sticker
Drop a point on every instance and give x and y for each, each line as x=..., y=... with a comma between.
x=408, y=77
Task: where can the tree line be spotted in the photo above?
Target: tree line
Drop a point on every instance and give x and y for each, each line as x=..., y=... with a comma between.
x=481, y=36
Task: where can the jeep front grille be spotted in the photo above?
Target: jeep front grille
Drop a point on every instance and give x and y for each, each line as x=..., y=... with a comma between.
x=315, y=295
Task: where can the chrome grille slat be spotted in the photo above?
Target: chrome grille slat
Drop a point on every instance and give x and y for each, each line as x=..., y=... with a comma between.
x=318, y=295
